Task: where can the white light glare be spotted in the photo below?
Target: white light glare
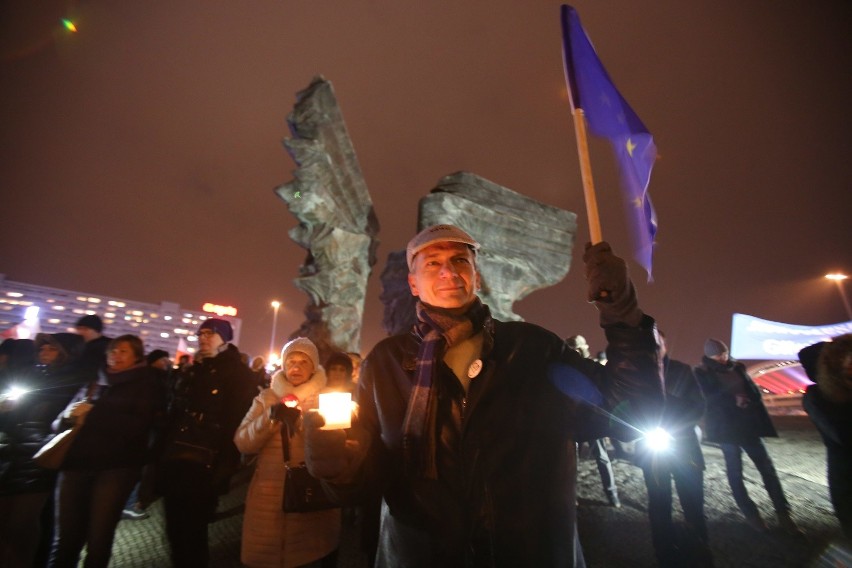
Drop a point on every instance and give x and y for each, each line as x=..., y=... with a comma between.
x=14, y=392
x=658, y=439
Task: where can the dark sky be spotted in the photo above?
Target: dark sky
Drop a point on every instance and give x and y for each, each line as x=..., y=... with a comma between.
x=139, y=156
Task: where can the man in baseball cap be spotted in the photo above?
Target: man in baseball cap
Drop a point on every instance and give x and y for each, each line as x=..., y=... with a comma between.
x=461, y=416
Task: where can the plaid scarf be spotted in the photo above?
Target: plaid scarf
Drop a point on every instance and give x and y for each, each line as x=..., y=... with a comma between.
x=438, y=330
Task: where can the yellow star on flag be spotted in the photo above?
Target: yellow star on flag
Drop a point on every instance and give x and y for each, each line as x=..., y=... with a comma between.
x=630, y=147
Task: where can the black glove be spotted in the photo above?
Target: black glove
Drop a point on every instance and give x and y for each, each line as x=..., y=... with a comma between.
x=285, y=414
x=609, y=286
x=325, y=450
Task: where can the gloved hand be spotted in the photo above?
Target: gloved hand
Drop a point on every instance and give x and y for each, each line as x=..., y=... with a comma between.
x=76, y=413
x=609, y=286
x=325, y=450
x=287, y=415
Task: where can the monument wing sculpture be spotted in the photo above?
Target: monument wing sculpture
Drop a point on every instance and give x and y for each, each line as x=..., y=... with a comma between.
x=337, y=224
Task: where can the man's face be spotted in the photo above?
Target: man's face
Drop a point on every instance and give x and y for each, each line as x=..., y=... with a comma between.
x=445, y=276
x=209, y=342
x=88, y=333
x=298, y=368
x=721, y=358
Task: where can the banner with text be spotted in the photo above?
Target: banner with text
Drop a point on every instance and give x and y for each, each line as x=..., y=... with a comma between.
x=754, y=338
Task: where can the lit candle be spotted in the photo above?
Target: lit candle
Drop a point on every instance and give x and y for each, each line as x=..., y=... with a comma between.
x=336, y=409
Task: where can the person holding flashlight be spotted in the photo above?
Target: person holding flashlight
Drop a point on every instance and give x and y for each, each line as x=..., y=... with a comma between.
x=677, y=457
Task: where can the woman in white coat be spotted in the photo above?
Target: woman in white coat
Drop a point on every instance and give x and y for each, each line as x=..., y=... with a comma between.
x=272, y=538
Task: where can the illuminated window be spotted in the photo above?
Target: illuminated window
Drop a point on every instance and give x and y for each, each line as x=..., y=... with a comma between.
x=94, y=300
x=164, y=335
x=167, y=318
x=82, y=298
x=58, y=308
x=109, y=315
x=54, y=320
x=14, y=294
x=77, y=311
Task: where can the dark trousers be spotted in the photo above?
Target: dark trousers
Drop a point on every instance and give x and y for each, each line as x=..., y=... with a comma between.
x=88, y=508
x=689, y=481
x=598, y=451
x=734, y=466
x=189, y=501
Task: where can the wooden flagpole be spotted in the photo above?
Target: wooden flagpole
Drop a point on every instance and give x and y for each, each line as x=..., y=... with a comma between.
x=586, y=173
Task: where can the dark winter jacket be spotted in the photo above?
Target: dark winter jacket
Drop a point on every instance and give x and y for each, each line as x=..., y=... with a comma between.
x=829, y=405
x=506, y=486
x=684, y=409
x=725, y=422
x=27, y=426
x=128, y=408
x=93, y=359
x=216, y=392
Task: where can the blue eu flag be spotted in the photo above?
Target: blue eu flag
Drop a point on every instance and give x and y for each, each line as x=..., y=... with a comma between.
x=609, y=115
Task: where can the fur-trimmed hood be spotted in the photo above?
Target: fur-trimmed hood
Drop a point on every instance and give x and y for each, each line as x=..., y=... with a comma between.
x=832, y=370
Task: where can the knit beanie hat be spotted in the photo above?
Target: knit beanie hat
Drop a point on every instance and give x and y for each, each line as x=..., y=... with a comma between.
x=713, y=347
x=92, y=322
x=302, y=345
x=156, y=355
x=220, y=326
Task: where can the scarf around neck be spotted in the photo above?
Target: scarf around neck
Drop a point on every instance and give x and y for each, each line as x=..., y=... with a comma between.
x=438, y=330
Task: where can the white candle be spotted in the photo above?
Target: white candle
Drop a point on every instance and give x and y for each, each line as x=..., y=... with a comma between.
x=336, y=409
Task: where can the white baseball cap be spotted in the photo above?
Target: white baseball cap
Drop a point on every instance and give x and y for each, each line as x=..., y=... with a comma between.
x=437, y=234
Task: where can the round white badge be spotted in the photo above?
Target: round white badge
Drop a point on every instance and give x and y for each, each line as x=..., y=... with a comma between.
x=474, y=368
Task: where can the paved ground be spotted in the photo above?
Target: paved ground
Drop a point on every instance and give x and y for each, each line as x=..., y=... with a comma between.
x=612, y=538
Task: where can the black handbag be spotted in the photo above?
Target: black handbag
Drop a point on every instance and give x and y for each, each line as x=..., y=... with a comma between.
x=192, y=440
x=303, y=493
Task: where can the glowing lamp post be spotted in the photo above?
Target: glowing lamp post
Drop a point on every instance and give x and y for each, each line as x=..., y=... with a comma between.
x=275, y=305
x=838, y=279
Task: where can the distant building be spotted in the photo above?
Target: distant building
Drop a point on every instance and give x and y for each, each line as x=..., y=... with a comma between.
x=26, y=309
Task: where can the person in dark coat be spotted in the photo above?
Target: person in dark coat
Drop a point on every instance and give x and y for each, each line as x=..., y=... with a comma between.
x=737, y=420
x=118, y=412
x=597, y=448
x=32, y=397
x=198, y=454
x=468, y=425
x=682, y=461
x=91, y=328
x=828, y=402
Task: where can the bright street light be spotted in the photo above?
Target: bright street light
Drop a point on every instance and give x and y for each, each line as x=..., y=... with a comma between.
x=838, y=279
x=275, y=305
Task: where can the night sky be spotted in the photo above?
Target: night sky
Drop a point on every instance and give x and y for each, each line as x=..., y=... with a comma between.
x=139, y=155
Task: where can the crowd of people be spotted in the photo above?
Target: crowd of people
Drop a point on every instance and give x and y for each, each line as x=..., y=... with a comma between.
x=462, y=451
